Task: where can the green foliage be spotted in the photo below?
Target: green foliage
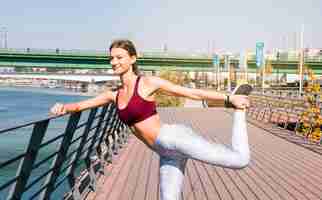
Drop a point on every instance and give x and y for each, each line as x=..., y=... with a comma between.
x=168, y=100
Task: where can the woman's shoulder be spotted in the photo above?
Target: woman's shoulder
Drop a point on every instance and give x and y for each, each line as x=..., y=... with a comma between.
x=151, y=83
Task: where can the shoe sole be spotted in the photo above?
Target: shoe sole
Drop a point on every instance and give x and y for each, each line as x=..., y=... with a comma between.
x=244, y=89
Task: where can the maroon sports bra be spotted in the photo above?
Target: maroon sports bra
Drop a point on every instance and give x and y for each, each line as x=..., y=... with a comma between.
x=137, y=109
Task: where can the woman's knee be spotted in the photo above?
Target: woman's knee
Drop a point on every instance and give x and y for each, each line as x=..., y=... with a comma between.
x=243, y=161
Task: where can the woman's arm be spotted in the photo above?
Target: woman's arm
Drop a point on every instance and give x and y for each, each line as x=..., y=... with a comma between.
x=239, y=101
x=60, y=109
x=177, y=90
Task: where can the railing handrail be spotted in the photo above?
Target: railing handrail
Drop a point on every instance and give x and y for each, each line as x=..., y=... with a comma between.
x=66, y=159
x=32, y=121
x=27, y=123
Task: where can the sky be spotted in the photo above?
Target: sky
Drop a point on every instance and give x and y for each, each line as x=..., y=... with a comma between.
x=178, y=25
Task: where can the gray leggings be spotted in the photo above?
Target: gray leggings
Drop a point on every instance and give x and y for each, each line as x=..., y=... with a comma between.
x=176, y=143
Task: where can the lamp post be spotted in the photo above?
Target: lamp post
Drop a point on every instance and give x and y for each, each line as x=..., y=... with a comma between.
x=263, y=74
x=227, y=66
x=301, y=61
x=260, y=59
x=278, y=69
x=4, y=37
x=246, y=66
x=216, y=64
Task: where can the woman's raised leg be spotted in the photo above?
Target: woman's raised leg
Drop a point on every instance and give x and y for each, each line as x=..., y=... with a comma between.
x=196, y=147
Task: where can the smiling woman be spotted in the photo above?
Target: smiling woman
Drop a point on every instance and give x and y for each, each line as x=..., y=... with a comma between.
x=136, y=106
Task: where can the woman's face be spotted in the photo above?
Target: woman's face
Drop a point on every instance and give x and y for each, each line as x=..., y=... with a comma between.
x=121, y=61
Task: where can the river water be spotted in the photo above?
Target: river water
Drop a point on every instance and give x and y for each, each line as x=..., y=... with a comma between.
x=22, y=105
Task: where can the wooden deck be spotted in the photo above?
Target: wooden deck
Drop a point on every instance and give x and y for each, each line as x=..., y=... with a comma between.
x=279, y=169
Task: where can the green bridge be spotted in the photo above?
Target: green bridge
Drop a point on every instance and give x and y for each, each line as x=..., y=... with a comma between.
x=148, y=61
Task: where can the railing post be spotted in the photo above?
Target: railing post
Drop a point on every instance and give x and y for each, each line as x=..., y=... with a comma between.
x=60, y=157
x=104, y=135
x=71, y=170
x=99, y=128
x=125, y=133
x=116, y=143
x=88, y=161
x=119, y=134
x=27, y=162
x=107, y=140
x=122, y=134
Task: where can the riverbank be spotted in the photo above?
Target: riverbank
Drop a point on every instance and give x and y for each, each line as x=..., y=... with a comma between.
x=57, y=91
x=20, y=105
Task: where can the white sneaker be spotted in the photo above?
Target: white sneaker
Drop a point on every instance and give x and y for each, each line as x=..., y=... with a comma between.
x=243, y=89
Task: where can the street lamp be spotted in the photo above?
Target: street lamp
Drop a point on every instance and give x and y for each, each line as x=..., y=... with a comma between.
x=277, y=66
x=4, y=37
x=227, y=67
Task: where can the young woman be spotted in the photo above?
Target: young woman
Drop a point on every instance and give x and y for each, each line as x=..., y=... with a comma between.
x=174, y=143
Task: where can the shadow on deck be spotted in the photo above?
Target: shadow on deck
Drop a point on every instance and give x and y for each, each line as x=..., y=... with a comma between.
x=278, y=170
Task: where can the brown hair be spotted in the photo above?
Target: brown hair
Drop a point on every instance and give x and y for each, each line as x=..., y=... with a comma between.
x=130, y=48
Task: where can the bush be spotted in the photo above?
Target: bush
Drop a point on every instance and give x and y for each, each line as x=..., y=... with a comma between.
x=167, y=100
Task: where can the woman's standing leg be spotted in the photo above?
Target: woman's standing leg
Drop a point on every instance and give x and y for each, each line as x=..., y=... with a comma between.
x=171, y=177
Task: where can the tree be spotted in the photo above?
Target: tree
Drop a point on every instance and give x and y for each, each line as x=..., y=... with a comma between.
x=165, y=100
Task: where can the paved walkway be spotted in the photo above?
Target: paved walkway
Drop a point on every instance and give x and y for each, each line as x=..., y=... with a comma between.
x=278, y=169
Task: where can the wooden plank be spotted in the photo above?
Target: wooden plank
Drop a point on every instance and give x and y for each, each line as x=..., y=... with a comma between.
x=131, y=183
x=141, y=189
x=205, y=179
x=290, y=170
x=244, y=189
x=291, y=158
x=120, y=182
x=272, y=170
x=249, y=194
x=103, y=184
x=108, y=188
x=230, y=185
x=265, y=189
x=153, y=180
x=187, y=188
x=295, y=184
x=191, y=195
x=237, y=176
x=280, y=175
x=197, y=187
x=218, y=183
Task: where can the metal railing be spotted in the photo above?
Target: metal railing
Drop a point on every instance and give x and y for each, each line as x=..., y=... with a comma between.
x=279, y=92
x=290, y=113
x=80, y=153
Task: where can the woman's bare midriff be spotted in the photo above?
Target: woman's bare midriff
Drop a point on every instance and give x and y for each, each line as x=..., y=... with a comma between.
x=148, y=130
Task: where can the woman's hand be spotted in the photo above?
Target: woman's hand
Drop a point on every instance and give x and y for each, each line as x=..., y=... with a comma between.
x=239, y=101
x=58, y=109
